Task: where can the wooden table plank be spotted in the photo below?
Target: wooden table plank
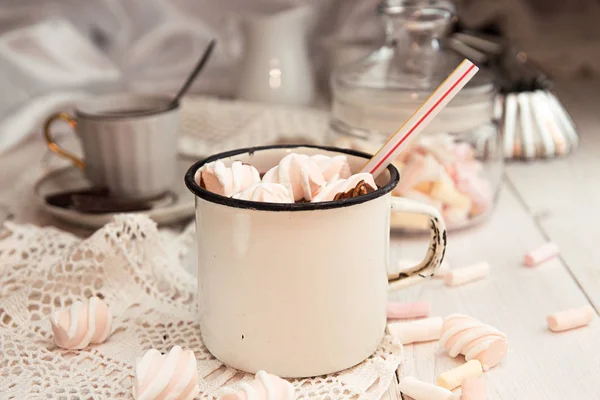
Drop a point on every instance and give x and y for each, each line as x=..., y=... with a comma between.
x=515, y=299
x=564, y=194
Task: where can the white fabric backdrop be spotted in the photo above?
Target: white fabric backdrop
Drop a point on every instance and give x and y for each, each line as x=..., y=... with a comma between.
x=52, y=52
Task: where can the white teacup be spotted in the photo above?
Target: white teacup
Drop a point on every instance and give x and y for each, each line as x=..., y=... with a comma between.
x=129, y=143
x=299, y=289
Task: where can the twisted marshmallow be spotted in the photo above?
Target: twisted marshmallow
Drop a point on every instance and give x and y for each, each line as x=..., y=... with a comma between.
x=82, y=324
x=300, y=174
x=226, y=181
x=264, y=387
x=265, y=192
x=173, y=376
x=462, y=334
x=329, y=192
x=473, y=389
x=333, y=168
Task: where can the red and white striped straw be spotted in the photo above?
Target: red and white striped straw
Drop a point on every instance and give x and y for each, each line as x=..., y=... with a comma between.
x=423, y=116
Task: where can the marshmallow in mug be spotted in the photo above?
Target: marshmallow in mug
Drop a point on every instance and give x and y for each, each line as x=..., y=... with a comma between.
x=333, y=168
x=297, y=177
x=227, y=181
x=330, y=191
x=266, y=192
x=300, y=174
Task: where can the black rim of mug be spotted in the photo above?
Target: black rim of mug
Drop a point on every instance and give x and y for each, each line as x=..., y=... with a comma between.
x=261, y=206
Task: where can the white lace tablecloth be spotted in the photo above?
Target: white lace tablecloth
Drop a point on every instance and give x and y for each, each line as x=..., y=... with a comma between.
x=138, y=271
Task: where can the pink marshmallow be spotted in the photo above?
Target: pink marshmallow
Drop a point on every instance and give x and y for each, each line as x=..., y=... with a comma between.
x=329, y=191
x=422, y=330
x=300, y=174
x=479, y=190
x=541, y=254
x=418, y=169
x=465, y=335
x=226, y=181
x=171, y=376
x=81, y=324
x=463, y=152
x=264, y=387
x=460, y=276
x=473, y=389
x=333, y=168
x=396, y=310
x=570, y=319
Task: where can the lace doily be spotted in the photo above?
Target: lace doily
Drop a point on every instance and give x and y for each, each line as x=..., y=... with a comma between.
x=139, y=273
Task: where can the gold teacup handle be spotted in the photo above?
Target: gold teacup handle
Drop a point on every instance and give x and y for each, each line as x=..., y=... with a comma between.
x=53, y=146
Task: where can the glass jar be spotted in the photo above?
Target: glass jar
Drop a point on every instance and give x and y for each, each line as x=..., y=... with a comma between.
x=456, y=163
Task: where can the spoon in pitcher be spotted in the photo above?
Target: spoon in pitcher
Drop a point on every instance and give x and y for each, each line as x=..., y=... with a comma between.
x=192, y=76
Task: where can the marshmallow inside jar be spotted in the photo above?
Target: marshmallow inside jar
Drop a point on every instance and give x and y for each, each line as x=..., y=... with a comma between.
x=296, y=289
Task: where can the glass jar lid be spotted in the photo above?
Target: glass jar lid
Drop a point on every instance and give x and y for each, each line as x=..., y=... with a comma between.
x=376, y=94
x=412, y=59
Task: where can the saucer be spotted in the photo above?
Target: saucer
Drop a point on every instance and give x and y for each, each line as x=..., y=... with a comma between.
x=176, y=205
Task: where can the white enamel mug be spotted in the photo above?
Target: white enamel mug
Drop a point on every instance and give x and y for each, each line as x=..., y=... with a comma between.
x=299, y=289
x=129, y=143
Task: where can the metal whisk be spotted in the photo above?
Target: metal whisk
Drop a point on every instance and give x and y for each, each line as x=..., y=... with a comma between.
x=534, y=122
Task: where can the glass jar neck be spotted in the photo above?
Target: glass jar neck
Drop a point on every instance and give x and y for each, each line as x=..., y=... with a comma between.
x=413, y=34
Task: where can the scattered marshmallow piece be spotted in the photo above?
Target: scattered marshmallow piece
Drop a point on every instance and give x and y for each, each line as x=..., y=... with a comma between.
x=396, y=310
x=465, y=335
x=543, y=253
x=569, y=319
x=453, y=378
x=473, y=389
x=460, y=276
x=418, y=390
x=264, y=387
x=81, y=324
x=423, y=330
x=171, y=376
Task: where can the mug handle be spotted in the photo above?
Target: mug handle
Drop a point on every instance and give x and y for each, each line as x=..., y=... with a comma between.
x=53, y=146
x=437, y=244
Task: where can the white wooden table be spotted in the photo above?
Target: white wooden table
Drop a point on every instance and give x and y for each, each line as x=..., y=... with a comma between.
x=556, y=200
